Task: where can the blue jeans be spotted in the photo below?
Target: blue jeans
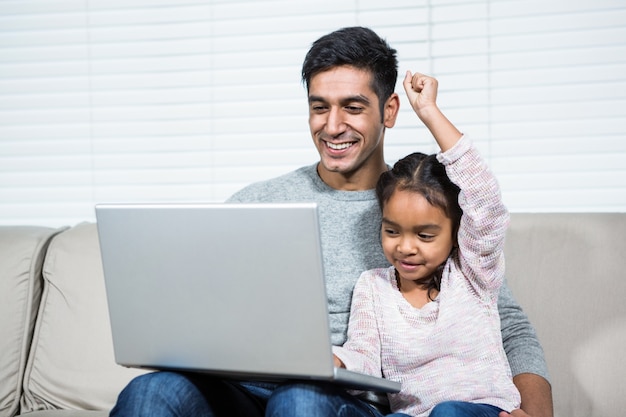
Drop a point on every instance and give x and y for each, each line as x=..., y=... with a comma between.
x=464, y=409
x=318, y=400
x=169, y=394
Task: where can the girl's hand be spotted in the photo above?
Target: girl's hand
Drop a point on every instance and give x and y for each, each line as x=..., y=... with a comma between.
x=421, y=91
x=338, y=362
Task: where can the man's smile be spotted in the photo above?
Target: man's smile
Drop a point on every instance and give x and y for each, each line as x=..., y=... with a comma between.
x=339, y=146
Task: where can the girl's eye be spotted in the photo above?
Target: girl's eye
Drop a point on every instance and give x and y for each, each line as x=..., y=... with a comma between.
x=425, y=236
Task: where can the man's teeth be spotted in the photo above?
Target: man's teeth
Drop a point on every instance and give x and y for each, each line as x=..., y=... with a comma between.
x=339, y=146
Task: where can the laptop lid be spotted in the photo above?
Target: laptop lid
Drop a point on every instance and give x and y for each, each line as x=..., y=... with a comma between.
x=230, y=289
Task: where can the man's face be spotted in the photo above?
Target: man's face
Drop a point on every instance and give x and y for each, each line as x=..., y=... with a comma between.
x=347, y=127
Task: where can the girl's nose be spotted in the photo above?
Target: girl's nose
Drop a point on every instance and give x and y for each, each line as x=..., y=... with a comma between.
x=407, y=246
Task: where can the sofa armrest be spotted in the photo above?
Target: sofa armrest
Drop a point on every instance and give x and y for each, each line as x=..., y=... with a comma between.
x=22, y=251
x=71, y=364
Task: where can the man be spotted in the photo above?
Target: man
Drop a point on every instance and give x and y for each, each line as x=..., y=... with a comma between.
x=350, y=77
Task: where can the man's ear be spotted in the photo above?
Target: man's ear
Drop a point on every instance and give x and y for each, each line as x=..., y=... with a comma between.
x=392, y=106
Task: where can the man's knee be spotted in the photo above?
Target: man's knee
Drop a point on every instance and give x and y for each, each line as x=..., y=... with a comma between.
x=315, y=400
x=157, y=392
x=155, y=383
x=302, y=400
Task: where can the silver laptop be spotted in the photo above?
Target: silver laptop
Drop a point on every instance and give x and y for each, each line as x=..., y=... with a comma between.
x=235, y=290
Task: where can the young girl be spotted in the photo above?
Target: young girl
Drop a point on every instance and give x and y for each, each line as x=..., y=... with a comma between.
x=430, y=320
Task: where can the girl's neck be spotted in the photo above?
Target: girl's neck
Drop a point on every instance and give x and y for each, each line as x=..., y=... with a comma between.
x=417, y=293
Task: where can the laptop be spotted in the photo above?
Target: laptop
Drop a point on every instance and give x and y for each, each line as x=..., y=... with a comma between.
x=233, y=290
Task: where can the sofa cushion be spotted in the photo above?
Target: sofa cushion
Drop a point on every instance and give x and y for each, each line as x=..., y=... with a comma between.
x=68, y=413
x=23, y=249
x=71, y=364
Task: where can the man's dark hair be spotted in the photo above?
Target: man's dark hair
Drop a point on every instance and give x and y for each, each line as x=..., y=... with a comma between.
x=359, y=47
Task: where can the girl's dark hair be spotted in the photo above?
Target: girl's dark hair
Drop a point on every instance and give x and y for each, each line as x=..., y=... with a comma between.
x=359, y=47
x=425, y=175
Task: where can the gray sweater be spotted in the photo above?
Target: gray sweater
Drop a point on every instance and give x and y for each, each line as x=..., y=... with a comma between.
x=350, y=233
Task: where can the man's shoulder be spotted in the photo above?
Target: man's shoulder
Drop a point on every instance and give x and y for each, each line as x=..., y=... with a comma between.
x=282, y=188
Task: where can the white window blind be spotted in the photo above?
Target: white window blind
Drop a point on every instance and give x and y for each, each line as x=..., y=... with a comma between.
x=166, y=100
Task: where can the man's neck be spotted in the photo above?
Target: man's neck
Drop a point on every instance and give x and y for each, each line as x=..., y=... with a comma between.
x=360, y=180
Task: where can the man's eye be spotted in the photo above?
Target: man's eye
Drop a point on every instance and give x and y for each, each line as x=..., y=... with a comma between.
x=318, y=108
x=354, y=109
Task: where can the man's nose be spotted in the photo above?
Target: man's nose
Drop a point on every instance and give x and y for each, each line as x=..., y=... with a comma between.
x=335, y=124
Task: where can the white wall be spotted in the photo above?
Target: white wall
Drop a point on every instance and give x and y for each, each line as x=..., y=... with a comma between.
x=169, y=100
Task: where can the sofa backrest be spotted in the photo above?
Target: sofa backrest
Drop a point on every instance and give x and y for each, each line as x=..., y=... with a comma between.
x=568, y=271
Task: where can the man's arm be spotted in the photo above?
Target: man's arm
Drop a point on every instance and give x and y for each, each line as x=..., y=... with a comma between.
x=526, y=358
x=536, y=396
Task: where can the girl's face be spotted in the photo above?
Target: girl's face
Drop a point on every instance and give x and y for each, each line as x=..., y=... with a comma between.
x=416, y=236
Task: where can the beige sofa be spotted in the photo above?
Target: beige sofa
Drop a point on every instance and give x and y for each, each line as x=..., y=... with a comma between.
x=567, y=270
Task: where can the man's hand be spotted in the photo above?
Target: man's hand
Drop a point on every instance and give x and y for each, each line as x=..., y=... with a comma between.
x=515, y=413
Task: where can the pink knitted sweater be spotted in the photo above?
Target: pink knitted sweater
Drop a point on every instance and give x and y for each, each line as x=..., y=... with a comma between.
x=450, y=349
